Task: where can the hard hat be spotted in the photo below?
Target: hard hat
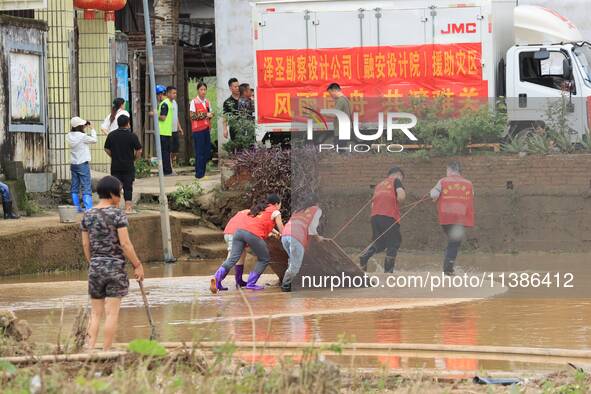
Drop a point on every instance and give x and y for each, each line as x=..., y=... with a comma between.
x=160, y=89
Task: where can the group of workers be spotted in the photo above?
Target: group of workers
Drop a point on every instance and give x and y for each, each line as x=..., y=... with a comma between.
x=453, y=194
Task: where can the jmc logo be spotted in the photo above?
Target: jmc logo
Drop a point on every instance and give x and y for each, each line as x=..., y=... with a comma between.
x=461, y=28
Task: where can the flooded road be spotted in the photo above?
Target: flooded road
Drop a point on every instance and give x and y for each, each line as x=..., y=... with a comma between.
x=185, y=310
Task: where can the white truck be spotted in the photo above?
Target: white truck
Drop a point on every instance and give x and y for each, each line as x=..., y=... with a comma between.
x=484, y=48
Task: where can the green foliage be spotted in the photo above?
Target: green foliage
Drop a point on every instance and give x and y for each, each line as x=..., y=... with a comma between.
x=143, y=168
x=183, y=196
x=31, y=207
x=93, y=385
x=449, y=130
x=7, y=368
x=516, y=144
x=551, y=136
x=146, y=347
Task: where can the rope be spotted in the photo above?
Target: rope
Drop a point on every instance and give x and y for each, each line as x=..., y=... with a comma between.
x=410, y=209
x=352, y=219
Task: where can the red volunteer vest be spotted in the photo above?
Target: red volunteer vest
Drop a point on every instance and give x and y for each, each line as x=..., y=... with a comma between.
x=260, y=225
x=203, y=124
x=385, y=202
x=231, y=227
x=456, y=201
x=298, y=225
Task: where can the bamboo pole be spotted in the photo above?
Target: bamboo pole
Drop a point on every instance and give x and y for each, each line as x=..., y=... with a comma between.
x=95, y=356
x=525, y=354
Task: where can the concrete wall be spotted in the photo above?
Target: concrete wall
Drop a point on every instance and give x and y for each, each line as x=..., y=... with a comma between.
x=39, y=246
x=27, y=147
x=234, y=48
x=95, y=77
x=548, y=208
x=91, y=87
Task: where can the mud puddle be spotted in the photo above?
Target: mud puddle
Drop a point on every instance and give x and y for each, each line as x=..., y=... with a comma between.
x=184, y=310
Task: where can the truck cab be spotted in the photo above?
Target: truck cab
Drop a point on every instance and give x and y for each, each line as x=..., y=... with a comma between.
x=548, y=73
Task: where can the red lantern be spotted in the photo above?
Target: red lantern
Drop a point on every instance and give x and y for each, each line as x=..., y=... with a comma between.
x=108, y=6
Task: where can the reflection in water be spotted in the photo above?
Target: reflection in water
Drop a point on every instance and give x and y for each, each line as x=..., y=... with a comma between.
x=459, y=328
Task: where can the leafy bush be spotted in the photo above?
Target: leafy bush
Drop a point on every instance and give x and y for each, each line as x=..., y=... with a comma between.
x=449, y=129
x=143, y=168
x=183, y=196
x=145, y=347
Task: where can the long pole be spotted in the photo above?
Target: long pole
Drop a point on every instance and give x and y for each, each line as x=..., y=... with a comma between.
x=164, y=216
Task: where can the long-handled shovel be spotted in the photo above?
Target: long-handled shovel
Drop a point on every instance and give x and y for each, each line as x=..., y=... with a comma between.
x=153, y=333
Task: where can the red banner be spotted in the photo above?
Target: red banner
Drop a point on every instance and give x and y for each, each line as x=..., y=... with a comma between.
x=289, y=76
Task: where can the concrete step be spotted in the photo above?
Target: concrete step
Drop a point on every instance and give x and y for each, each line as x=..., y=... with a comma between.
x=187, y=219
x=201, y=236
x=216, y=250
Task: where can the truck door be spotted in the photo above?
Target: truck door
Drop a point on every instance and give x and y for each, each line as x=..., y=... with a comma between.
x=343, y=29
x=401, y=27
x=455, y=25
x=285, y=30
x=540, y=84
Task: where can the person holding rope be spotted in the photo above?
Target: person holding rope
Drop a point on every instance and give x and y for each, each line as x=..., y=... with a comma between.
x=252, y=230
x=295, y=237
x=385, y=219
x=454, y=196
x=229, y=231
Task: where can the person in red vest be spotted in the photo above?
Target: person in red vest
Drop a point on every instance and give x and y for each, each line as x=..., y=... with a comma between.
x=385, y=219
x=201, y=118
x=252, y=230
x=454, y=196
x=295, y=237
x=229, y=231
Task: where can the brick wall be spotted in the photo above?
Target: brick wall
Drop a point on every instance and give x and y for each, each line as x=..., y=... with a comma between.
x=548, y=209
x=166, y=15
x=533, y=174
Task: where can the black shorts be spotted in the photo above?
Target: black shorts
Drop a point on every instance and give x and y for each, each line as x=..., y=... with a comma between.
x=127, y=180
x=175, y=143
x=107, y=278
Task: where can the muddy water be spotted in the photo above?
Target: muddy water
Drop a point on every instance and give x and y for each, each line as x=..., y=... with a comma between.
x=185, y=310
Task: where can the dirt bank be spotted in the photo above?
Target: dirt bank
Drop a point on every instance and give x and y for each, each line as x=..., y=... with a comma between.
x=42, y=244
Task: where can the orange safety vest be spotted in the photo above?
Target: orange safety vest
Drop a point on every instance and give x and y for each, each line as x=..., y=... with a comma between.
x=231, y=227
x=261, y=225
x=200, y=107
x=385, y=200
x=298, y=225
x=456, y=201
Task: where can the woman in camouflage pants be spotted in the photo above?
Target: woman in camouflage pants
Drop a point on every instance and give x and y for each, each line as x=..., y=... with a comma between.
x=106, y=244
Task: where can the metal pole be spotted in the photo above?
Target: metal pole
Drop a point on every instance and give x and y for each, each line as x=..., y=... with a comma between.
x=164, y=217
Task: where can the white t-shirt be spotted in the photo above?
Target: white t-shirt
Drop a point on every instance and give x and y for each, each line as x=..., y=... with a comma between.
x=204, y=102
x=112, y=126
x=79, y=149
x=175, y=116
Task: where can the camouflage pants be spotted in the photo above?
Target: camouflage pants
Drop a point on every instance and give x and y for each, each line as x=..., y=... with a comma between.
x=107, y=278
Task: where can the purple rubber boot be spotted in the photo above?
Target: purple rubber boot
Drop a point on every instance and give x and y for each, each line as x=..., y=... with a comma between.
x=215, y=284
x=251, y=283
x=238, y=272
